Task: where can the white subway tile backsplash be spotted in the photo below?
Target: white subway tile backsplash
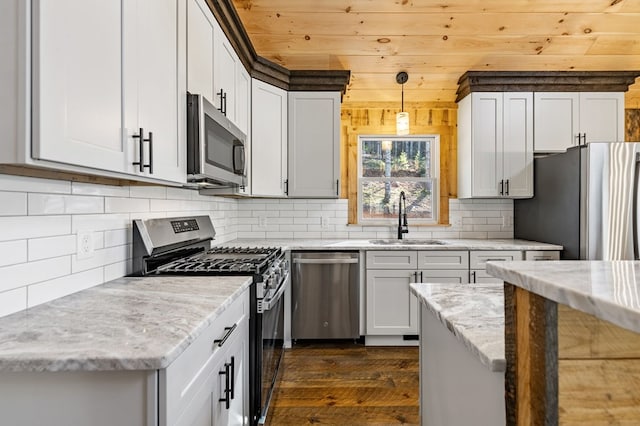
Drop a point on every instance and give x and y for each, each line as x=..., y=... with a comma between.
x=148, y=192
x=101, y=222
x=474, y=235
x=257, y=235
x=53, y=289
x=101, y=258
x=39, y=220
x=23, y=274
x=13, y=203
x=293, y=213
x=122, y=205
x=43, y=204
x=20, y=227
x=29, y=184
x=46, y=248
x=12, y=252
x=81, y=188
x=13, y=301
x=306, y=235
x=117, y=237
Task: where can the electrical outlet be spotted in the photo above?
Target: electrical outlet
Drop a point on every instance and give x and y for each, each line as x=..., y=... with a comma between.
x=324, y=222
x=262, y=221
x=457, y=221
x=84, y=249
x=507, y=220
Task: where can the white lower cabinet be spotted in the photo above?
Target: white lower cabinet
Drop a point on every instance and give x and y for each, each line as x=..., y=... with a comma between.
x=392, y=310
x=208, y=383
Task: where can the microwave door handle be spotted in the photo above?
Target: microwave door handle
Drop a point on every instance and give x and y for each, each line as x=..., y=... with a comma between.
x=238, y=158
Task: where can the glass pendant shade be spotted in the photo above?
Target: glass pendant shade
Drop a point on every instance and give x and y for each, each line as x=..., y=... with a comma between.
x=402, y=123
x=402, y=118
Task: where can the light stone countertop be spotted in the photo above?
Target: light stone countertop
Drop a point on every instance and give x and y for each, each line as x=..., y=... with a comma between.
x=449, y=244
x=131, y=323
x=473, y=313
x=606, y=290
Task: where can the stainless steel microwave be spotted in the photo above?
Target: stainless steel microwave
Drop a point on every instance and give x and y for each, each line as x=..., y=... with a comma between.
x=215, y=146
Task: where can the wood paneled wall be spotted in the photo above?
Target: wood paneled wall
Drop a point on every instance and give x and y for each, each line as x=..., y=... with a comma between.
x=632, y=125
x=380, y=119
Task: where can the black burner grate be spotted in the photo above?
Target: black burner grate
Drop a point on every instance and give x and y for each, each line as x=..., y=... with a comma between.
x=225, y=260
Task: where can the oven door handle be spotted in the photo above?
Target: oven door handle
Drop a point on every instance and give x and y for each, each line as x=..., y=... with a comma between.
x=268, y=304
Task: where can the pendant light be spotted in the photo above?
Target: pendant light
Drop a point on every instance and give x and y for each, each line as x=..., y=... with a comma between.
x=402, y=118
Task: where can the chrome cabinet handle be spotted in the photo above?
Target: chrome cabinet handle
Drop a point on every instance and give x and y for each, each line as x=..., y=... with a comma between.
x=229, y=331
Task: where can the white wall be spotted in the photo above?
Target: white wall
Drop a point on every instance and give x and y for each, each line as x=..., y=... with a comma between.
x=327, y=219
x=39, y=220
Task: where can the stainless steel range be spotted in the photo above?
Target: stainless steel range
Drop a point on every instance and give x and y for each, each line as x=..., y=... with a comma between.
x=182, y=246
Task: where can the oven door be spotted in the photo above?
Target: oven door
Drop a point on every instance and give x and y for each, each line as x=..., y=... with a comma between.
x=272, y=344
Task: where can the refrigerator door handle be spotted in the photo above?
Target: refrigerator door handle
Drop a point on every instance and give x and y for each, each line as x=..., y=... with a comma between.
x=636, y=178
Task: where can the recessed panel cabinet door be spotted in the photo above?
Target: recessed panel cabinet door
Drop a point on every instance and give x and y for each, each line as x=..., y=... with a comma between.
x=155, y=84
x=517, y=148
x=391, y=307
x=77, y=83
x=487, y=143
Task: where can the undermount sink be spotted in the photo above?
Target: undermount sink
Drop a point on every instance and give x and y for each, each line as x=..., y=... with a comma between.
x=408, y=242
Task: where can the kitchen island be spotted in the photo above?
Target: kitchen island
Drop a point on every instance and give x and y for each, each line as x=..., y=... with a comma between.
x=572, y=341
x=462, y=360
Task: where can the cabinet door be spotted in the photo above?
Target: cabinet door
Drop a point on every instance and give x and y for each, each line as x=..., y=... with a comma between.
x=243, y=119
x=314, y=144
x=556, y=125
x=480, y=276
x=268, y=139
x=542, y=255
x=391, y=307
x=224, y=75
x=200, y=26
x=517, y=147
x=155, y=83
x=486, y=163
x=602, y=116
x=77, y=84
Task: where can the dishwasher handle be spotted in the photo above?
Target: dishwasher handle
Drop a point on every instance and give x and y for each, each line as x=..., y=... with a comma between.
x=325, y=261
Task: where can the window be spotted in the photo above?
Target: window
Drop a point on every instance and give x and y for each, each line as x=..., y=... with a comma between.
x=388, y=165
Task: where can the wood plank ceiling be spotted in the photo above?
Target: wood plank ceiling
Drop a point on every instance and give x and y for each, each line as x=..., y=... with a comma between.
x=437, y=41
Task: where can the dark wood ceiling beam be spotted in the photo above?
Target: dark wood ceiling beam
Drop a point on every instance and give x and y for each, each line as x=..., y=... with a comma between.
x=545, y=81
x=266, y=70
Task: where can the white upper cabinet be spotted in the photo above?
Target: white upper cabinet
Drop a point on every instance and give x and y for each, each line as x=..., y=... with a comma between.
x=566, y=119
x=495, y=145
x=269, y=139
x=314, y=144
x=200, y=39
x=77, y=84
x=100, y=72
x=224, y=75
x=155, y=84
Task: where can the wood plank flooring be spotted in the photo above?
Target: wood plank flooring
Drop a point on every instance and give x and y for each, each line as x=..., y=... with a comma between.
x=346, y=384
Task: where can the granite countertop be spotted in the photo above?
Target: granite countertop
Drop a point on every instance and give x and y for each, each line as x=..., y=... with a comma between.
x=132, y=323
x=474, y=313
x=606, y=290
x=449, y=244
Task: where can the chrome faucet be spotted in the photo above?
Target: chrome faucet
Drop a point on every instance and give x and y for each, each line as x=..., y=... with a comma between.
x=403, y=227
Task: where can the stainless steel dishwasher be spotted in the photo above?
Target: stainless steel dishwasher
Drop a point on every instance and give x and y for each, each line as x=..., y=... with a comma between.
x=325, y=298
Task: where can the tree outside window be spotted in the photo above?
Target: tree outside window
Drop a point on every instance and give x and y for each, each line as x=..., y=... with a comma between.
x=388, y=165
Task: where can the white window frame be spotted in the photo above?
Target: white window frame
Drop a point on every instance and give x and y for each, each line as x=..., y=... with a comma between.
x=435, y=176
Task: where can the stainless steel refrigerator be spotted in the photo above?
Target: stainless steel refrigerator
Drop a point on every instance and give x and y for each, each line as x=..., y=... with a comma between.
x=585, y=199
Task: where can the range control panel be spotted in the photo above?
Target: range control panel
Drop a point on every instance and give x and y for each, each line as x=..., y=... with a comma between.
x=184, y=225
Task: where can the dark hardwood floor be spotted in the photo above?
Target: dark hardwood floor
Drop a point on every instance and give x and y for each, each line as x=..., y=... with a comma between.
x=346, y=384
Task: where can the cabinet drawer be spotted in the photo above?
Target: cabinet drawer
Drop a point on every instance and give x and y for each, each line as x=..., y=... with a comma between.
x=399, y=259
x=541, y=255
x=478, y=259
x=480, y=276
x=447, y=259
x=444, y=277
x=185, y=376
